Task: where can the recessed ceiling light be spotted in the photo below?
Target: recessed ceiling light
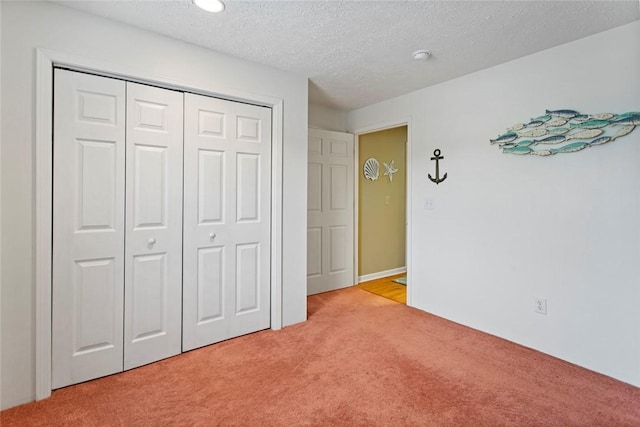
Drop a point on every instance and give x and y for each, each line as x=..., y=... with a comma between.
x=214, y=6
x=421, y=55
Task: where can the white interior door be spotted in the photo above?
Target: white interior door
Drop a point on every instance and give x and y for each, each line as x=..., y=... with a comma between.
x=153, y=238
x=227, y=196
x=88, y=227
x=330, y=211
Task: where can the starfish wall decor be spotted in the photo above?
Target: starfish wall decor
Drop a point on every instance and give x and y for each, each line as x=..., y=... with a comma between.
x=390, y=169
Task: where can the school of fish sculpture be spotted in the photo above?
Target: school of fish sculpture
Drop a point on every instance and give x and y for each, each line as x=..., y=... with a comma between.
x=565, y=131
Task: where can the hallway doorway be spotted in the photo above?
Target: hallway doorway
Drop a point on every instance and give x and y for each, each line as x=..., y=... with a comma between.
x=387, y=287
x=382, y=216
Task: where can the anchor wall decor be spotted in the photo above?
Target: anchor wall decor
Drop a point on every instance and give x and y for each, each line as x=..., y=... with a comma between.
x=437, y=157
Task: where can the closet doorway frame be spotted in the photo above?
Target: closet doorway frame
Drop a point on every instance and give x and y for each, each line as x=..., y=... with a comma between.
x=46, y=61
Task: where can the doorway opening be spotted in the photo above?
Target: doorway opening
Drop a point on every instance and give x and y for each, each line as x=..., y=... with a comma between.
x=382, y=212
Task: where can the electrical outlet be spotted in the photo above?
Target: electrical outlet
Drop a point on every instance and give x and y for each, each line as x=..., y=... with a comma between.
x=540, y=305
x=428, y=204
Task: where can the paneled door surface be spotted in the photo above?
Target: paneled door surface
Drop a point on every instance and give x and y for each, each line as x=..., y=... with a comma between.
x=226, y=260
x=330, y=211
x=117, y=226
x=153, y=243
x=88, y=227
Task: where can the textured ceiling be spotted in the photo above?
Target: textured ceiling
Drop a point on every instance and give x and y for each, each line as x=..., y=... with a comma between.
x=356, y=53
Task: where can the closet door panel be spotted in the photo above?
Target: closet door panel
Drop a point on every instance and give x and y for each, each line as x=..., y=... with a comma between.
x=247, y=187
x=97, y=169
x=211, y=184
x=248, y=278
x=150, y=186
x=88, y=227
x=210, y=284
x=153, y=250
x=226, y=220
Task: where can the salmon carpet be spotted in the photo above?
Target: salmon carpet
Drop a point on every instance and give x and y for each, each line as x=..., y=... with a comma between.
x=360, y=360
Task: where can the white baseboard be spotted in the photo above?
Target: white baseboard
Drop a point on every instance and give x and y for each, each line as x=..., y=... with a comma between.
x=381, y=274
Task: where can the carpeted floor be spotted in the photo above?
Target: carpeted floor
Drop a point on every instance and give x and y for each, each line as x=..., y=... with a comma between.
x=360, y=360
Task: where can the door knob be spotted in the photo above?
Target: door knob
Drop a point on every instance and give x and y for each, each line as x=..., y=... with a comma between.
x=212, y=236
x=152, y=241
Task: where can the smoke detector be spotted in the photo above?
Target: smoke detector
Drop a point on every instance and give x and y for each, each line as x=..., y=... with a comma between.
x=421, y=55
x=214, y=6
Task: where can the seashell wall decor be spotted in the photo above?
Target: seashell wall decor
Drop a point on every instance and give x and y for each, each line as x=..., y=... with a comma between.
x=565, y=131
x=371, y=169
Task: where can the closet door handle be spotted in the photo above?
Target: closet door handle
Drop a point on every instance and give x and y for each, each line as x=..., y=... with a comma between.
x=152, y=241
x=212, y=236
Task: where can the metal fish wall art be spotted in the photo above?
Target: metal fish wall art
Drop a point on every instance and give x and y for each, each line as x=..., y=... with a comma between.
x=565, y=131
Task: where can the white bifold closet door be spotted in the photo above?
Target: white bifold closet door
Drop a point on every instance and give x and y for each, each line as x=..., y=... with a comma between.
x=153, y=233
x=226, y=282
x=88, y=227
x=116, y=242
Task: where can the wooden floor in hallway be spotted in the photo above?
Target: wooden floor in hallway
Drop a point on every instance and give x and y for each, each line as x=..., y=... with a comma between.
x=386, y=287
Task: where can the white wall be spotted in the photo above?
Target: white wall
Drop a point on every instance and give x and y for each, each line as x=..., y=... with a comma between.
x=508, y=228
x=321, y=117
x=0, y=212
x=27, y=25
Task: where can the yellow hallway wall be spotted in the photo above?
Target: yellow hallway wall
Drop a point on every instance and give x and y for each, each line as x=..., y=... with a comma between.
x=381, y=204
